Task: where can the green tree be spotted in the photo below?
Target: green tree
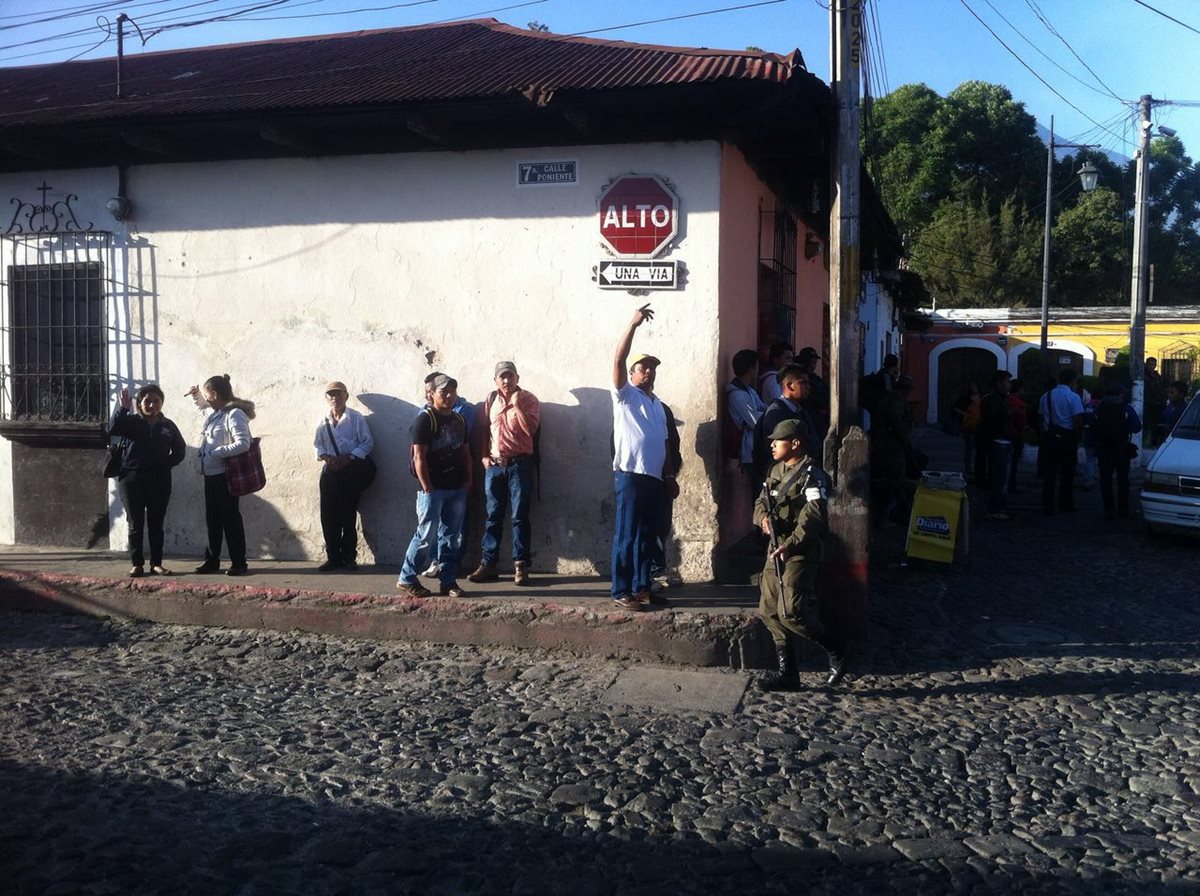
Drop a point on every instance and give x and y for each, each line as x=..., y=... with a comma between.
x=1089, y=269
x=973, y=257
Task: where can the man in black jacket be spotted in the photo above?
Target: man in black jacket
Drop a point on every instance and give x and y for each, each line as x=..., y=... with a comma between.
x=994, y=434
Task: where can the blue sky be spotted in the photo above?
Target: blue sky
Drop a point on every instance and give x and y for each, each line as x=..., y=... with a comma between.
x=1130, y=49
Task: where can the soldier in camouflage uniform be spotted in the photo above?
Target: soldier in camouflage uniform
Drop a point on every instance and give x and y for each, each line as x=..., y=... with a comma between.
x=791, y=509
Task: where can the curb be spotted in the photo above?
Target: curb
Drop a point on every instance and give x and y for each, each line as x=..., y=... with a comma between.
x=734, y=641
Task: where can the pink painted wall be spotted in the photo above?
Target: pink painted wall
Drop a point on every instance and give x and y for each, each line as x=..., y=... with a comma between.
x=743, y=197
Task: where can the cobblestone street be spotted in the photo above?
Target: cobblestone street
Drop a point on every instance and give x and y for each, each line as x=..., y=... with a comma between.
x=1025, y=721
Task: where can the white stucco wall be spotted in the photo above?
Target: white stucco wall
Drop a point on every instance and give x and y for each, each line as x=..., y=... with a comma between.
x=378, y=269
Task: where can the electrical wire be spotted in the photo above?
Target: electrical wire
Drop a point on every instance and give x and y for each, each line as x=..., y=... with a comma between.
x=488, y=12
x=1015, y=56
x=690, y=15
x=1165, y=16
x=1037, y=11
x=340, y=12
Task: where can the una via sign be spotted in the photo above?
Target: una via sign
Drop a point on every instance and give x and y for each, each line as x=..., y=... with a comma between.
x=636, y=274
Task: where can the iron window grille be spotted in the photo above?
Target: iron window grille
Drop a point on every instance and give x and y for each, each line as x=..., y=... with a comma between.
x=53, y=325
x=778, y=235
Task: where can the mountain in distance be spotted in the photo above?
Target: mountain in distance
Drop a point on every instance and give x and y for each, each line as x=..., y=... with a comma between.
x=1063, y=151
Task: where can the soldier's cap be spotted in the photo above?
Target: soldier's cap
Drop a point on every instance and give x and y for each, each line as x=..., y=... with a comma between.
x=444, y=382
x=787, y=430
x=808, y=352
x=336, y=386
x=643, y=359
x=505, y=367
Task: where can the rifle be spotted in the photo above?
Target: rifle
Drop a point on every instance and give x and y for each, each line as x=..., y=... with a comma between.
x=769, y=501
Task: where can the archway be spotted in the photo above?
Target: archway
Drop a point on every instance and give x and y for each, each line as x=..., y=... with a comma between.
x=952, y=366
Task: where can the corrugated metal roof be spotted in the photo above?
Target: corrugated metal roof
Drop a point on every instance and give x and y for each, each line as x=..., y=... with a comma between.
x=433, y=63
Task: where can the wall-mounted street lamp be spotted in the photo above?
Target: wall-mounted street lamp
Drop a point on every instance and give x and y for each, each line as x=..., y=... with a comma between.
x=1089, y=174
x=119, y=207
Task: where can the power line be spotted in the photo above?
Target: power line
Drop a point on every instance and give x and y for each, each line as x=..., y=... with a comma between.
x=690, y=15
x=1047, y=84
x=1165, y=16
x=1032, y=4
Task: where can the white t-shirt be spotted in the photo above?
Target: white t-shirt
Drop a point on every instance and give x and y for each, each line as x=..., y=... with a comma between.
x=639, y=432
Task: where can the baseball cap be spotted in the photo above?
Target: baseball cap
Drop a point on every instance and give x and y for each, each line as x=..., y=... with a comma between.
x=788, y=429
x=336, y=386
x=643, y=358
x=808, y=352
x=444, y=382
x=505, y=367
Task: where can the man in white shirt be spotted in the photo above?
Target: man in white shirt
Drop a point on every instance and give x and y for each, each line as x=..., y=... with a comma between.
x=641, y=468
x=343, y=444
x=1062, y=425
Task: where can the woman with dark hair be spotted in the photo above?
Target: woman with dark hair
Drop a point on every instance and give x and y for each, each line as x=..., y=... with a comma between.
x=226, y=434
x=154, y=446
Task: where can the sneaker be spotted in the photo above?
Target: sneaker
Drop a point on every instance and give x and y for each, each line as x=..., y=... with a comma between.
x=483, y=573
x=350, y=566
x=238, y=571
x=433, y=572
x=452, y=590
x=329, y=566
x=413, y=589
x=626, y=602
x=666, y=580
x=208, y=566
x=521, y=572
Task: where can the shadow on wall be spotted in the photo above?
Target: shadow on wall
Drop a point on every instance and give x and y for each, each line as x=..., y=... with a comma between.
x=267, y=533
x=387, y=507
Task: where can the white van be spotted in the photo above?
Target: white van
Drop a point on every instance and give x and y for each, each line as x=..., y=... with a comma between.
x=1171, y=484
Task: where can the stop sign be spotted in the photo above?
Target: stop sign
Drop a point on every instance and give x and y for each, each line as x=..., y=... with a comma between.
x=639, y=216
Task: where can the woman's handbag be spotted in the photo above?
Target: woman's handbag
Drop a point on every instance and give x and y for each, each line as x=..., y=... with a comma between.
x=115, y=458
x=244, y=473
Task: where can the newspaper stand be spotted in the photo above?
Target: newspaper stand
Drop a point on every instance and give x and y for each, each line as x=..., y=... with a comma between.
x=939, y=523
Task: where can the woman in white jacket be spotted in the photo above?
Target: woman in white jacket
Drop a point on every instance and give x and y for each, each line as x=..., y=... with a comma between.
x=226, y=434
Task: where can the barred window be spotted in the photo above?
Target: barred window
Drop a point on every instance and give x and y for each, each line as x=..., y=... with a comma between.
x=778, y=237
x=55, y=351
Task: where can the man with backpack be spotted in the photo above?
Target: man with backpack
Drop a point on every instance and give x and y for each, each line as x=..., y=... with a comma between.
x=509, y=447
x=1115, y=422
x=788, y=406
x=442, y=464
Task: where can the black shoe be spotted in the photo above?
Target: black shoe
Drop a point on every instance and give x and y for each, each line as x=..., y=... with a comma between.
x=350, y=566
x=838, y=665
x=208, y=566
x=238, y=571
x=787, y=678
x=329, y=566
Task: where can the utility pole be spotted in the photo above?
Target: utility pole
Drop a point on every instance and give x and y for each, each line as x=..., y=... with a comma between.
x=1044, y=345
x=845, y=450
x=1141, y=281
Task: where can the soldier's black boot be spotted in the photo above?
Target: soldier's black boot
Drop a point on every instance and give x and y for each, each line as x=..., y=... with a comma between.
x=839, y=659
x=787, y=676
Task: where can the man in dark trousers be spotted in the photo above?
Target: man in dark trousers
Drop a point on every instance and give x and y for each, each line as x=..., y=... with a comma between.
x=1062, y=411
x=994, y=431
x=792, y=511
x=788, y=406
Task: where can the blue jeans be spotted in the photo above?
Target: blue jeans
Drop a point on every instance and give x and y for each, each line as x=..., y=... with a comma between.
x=505, y=486
x=440, y=516
x=635, y=528
x=999, y=458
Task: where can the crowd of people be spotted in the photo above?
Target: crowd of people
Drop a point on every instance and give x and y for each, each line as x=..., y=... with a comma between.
x=1084, y=438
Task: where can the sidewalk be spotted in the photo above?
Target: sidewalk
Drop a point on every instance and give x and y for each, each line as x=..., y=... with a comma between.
x=704, y=624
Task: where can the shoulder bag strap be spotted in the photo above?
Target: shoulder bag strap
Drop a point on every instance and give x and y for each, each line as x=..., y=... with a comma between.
x=332, y=438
